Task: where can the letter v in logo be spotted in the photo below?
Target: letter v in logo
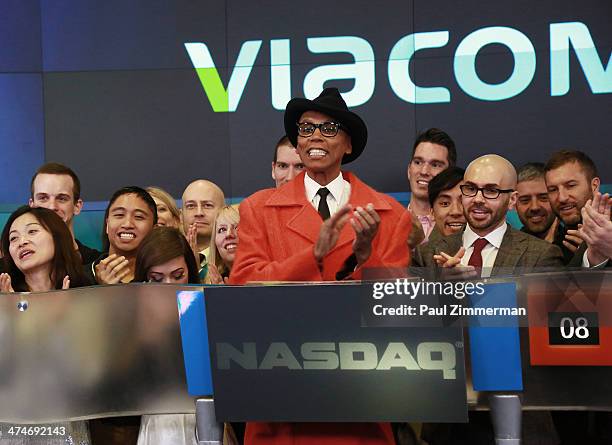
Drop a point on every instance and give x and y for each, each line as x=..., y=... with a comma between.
x=223, y=100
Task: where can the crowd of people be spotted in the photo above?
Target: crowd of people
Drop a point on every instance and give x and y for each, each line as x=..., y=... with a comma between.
x=320, y=223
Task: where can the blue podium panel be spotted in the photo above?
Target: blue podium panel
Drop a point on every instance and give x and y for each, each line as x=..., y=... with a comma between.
x=495, y=348
x=194, y=335
x=300, y=353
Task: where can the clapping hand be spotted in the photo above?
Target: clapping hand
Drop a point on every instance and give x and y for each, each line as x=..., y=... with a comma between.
x=596, y=228
x=214, y=276
x=192, y=239
x=365, y=222
x=5, y=283
x=111, y=270
x=452, y=268
x=330, y=232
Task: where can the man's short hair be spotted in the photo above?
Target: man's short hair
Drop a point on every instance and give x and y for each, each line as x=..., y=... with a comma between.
x=563, y=157
x=129, y=190
x=437, y=136
x=531, y=171
x=282, y=141
x=445, y=180
x=55, y=168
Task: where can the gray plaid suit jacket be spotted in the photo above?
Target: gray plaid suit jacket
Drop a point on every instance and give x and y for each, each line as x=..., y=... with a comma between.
x=518, y=253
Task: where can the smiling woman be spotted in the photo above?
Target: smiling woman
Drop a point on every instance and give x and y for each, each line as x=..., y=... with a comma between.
x=40, y=255
x=223, y=250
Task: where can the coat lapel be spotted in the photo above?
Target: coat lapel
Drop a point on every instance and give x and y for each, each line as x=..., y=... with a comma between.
x=304, y=220
x=301, y=217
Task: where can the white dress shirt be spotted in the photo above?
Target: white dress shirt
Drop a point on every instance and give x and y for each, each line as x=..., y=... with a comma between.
x=339, y=192
x=489, y=253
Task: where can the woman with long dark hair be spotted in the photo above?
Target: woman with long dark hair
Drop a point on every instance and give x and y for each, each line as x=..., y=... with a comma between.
x=164, y=256
x=39, y=256
x=38, y=251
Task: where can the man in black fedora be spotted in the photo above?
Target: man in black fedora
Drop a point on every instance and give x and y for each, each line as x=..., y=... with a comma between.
x=325, y=225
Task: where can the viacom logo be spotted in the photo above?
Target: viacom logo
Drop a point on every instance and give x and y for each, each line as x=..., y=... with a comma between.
x=564, y=37
x=430, y=356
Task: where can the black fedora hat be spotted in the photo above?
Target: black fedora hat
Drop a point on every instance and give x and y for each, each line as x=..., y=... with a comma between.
x=331, y=103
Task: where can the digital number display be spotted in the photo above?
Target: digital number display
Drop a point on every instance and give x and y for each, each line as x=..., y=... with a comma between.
x=573, y=328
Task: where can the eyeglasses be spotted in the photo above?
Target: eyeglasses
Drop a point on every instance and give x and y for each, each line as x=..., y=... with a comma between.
x=470, y=190
x=327, y=129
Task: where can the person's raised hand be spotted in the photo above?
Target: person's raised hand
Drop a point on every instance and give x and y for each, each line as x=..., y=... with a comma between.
x=5, y=283
x=214, y=276
x=330, y=232
x=365, y=222
x=417, y=234
x=572, y=240
x=452, y=268
x=112, y=269
x=192, y=239
x=596, y=228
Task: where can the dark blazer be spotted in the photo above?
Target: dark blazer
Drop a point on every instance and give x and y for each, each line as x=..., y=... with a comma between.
x=576, y=260
x=518, y=252
x=88, y=255
x=571, y=259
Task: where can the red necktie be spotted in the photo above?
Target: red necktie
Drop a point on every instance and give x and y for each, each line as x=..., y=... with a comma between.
x=476, y=258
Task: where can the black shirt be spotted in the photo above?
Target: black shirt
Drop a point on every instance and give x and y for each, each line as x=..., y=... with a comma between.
x=88, y=255
x=88, y=268
x=568, y=255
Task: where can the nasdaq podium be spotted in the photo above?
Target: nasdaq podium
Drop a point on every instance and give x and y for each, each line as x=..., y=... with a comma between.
x=270, y=346
x=302, y=352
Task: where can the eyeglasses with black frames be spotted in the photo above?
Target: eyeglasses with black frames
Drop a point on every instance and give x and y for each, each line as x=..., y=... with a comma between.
x=327, y=129
x=470, y=190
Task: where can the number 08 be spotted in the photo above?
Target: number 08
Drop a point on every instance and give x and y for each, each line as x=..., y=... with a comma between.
x=568, y=330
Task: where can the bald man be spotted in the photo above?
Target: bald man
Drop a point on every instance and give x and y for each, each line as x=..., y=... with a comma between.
x=488, y=245
x=202, y=200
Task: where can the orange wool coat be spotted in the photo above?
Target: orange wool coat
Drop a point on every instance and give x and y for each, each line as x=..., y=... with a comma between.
x=278, y=230
x=279, y=227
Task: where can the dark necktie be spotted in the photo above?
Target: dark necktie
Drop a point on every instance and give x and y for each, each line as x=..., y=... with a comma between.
x=323, y=207
x=476, y=258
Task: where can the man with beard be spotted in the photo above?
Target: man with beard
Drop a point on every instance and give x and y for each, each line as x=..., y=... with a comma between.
x=488, y=242
x=571, y=181
x=532, y=204
x=487, y=247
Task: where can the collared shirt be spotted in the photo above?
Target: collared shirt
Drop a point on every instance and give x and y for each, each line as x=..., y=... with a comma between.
x=427, y=223
x=203, y=262
x=339, y=192
x=489, y=253
x=587, y=264
x=205, y=253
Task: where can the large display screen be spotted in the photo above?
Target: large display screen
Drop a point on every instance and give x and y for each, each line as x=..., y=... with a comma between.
x=161, y=93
